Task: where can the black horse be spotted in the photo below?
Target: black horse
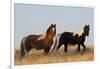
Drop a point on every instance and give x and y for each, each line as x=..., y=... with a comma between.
x=38, y=41
x=71, y=38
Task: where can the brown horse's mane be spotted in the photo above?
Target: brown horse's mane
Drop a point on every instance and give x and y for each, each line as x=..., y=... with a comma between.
x=48, y=30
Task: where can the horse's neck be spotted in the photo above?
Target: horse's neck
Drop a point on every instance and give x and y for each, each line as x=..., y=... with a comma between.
x=49, y=37
x=42, y=36
x=83, y=35
x=78, y=33
x=45, y=37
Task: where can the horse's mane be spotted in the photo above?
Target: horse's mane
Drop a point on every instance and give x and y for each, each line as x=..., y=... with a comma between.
x=79, y=33
x=42, y=36
x=48, y=29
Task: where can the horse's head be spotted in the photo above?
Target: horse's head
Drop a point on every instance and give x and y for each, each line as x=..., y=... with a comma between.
x=52, y=30
x=86, y=29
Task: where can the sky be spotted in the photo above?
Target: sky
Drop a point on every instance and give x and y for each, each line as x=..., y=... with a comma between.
x=35, y=19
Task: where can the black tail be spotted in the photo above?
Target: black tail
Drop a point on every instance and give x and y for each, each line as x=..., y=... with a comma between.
x=22, y=50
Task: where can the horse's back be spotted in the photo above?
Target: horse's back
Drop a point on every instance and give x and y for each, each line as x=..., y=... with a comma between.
x=33, y=37
x=30, y=39
x=66, y=35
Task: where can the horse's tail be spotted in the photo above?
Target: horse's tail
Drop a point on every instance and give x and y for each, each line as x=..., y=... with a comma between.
x=22, y=48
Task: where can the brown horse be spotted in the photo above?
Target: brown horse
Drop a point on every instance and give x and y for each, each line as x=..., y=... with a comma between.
x=38, y=41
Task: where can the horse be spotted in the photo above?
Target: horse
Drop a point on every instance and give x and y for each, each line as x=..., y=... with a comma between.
x=38, y=41
x=72, y=38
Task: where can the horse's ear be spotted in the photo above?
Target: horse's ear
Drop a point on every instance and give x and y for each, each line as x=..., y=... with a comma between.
x=55, y=24
x=85, y=26
x=51, y=24
x=89, y=25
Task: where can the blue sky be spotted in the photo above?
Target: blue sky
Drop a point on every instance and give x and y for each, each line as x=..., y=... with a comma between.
x=35, y=19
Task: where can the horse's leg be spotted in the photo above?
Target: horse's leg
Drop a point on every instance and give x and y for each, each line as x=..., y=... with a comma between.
x=55, y=45
x=26, y=53
x=78, y=48
x=27, y=50
x=46, y=50
x=66, y=47
x=59, y=45
x=83, y=47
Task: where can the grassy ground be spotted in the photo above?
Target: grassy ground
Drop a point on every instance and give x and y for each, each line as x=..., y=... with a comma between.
x=37, y=56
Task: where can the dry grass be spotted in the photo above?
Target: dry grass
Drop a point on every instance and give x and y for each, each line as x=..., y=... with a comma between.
x=37, y=56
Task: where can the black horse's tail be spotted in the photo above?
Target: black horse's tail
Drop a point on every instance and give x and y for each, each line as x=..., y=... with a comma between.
x=22, y=48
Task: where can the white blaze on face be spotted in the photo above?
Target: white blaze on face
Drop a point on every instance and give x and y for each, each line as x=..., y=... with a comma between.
x=53, y=29
x=41, y=37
